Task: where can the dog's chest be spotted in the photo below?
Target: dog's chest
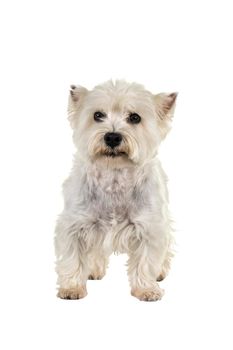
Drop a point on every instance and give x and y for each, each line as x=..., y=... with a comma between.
x=116, y=183
x=110, y=192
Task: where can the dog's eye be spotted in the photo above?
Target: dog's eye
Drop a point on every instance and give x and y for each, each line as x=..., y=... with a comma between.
x=134, y=118
x=98, y=116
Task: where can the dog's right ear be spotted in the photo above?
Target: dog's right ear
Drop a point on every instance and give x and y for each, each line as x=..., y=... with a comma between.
x=76, y=98
x=77, y=92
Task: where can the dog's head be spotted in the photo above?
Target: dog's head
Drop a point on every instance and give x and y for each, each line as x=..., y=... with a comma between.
x=119, y=122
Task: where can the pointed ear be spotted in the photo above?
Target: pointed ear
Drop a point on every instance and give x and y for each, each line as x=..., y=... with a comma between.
x=165, y=105
x=76, y=98
x=77, y=92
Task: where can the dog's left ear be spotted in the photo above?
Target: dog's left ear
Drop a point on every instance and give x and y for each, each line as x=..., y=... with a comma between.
x=165, y=105
x=164, y=108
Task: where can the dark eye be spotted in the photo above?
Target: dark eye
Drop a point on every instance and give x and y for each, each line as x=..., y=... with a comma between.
x=134, y=118
x=98, y=116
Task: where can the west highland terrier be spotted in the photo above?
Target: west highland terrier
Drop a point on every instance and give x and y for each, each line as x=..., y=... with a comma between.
x=116, y=196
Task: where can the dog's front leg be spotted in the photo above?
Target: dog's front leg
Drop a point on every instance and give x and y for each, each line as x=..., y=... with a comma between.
x=144, y=267
x=71, y=265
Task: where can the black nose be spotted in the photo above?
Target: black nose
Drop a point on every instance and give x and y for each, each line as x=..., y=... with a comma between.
x=112, y=139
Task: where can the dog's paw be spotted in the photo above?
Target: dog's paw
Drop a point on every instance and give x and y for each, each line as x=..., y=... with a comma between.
x=148, y=294
x=72, y=293
x=161, y=276
x=95, y=277
x=96, y=273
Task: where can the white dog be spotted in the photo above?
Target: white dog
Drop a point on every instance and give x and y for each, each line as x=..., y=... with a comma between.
x=116, y=196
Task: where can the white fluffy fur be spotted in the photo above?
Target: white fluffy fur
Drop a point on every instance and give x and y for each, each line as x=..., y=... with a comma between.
x=116, y=203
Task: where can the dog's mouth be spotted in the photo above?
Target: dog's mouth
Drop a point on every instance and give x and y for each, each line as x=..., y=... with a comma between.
x=114, y=154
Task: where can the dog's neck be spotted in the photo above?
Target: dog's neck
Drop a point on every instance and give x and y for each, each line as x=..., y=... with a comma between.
x=103, y=171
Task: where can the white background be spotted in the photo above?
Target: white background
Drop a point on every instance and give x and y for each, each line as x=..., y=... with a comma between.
x=183, y=46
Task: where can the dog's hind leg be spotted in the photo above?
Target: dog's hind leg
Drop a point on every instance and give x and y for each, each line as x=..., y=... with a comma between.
x=97, y=264
x=165, y=266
